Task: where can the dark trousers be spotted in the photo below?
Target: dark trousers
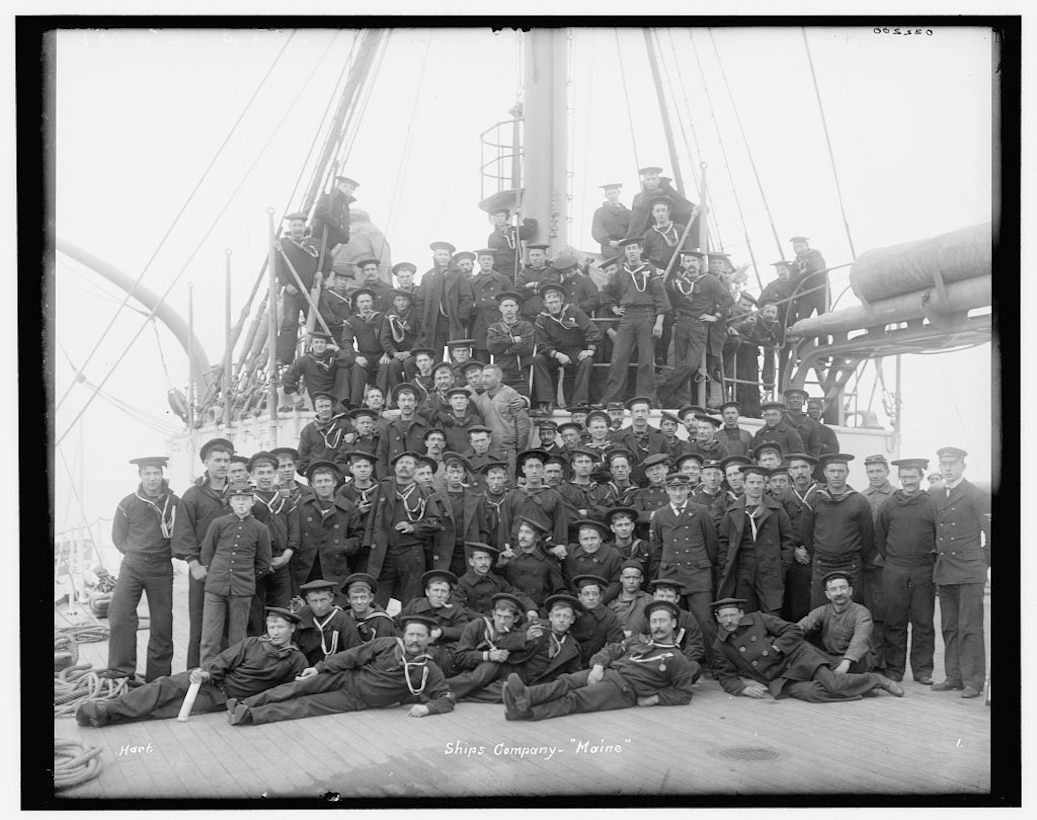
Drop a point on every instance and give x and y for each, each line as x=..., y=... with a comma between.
x=910, y=598
x=697, y=603
x=961, y=621
x=360, y=377
x=662, y=346
x=749, y=585
x=274, y=589
x=401, y=573
x=323, y=694
x=195, y=611
x=570, y=693
x=828, y=686
x=797, y=591
x=821, y=567
x=288, y=335
x=394, y=373
x=139, y=575
x=690, y=339
x=633, y=333
x=875, y=601
x=473, y=682
x=162, y=699
x=220, y=610
x=545, y=375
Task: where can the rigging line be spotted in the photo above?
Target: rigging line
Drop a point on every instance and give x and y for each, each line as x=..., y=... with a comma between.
x=626, y=96
x=89, y=288
x=713, y=225
x=723, y=153
x=365, y=92
x=146, y=419
x=828, y=142
x=401, y=167
x=749, y=153
x=183, y=208
x=161, y=355
x=197, y=248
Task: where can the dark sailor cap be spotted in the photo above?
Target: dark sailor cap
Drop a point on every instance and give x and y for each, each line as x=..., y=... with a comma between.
x=673, y=583
x=459, y=391
x=360, y=455
x=471, y=364
x=238, y=459
x=612, y=260
x=669, y=606
x=478, y=546
x=316, y=586
x=727, y=462
x=763, y=446
x=489, y=465
x=507, y=598
x=360, y=578
x=835, y=458
x=438, y=575
x=150, y=461
x=685, y=456
x=563, y=599
x=754, y=469
x=282, y=612
x=320, y=334
x=637, y=400
x=536, y=526
x=733, y=404
x=406, y=387
x=710, y=419
x=631, y=240
x=291, y=452
x=485, y=252
x=953, y=452
x=539, y=246
x=573, y=425
x=689, y=408
x=799, y=239
x=711, y=462
x=404, y=266
x=677, y=480
x=443, y=246
x=649, y=169
x=262, y=457
x=581, y=581
x=602, y=529
x=721, y=603
x=564, y=261
x=399, y=292
x=627, y=511
x=801, y=456
x=460, y=342
x=418, y=619
x=666, y=414
x=324, y=394
x=609, y=185
x=215, y=444
x=363, y=411
x=837, y=573
x=875, y=459
x=326, y=466
x=348, y=180
x=469, y=255
x=773, y=405
x=296, y=215
x=910, y=463
x=657, y=200
x=525, y=455
x=553, y=286
x=510, y=294
x=362, y=292
x=450, y=457
x=796, y=391
x=363, y=263
x=242, y=488
x=655, y=458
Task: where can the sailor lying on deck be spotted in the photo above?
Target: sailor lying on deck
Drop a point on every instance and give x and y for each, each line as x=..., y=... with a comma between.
x=244, y=669
x=636, y=672
x=381, y=673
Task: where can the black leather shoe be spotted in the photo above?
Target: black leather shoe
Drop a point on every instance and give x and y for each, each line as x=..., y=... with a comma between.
x=518, y=692
x=891, y=686
x=925, y=680
x=969, y=692
x=945, y=686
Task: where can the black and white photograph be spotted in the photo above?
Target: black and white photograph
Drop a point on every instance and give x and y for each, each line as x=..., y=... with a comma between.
x=526, y=413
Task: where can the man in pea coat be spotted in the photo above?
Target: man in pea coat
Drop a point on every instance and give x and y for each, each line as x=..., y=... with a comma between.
x=445, y=298
x=331, y=218
x=962, y=559
x=684, y=546
x=330, y=529
x=774, y=656
x=611, y=221
x=757, y=543
x=566, y=338
x=486, y=285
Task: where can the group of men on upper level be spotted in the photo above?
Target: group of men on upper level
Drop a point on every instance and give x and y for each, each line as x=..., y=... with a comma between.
x=541, y=320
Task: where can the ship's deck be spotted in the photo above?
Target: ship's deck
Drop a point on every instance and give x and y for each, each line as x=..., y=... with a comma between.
x=926, y=743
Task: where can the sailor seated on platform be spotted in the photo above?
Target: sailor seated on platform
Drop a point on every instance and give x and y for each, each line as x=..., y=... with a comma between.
x=381, y=673
x=324, y=369
x=371, y=620
x=634, y=672
x=247, y=668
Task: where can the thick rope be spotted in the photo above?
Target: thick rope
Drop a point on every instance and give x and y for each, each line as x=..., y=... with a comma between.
x=74, y=763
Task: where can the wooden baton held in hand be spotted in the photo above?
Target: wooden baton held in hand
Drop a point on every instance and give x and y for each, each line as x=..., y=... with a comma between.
x=185, y=710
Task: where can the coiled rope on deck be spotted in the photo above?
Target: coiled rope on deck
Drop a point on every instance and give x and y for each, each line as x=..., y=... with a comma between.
x=74, y=763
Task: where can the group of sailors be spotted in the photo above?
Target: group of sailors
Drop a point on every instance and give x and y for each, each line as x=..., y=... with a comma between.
x=543, y=319
x=591, y=565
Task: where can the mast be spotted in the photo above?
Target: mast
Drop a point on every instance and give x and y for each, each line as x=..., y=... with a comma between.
x=271, y=368
x=546, y=135
x=671, y=145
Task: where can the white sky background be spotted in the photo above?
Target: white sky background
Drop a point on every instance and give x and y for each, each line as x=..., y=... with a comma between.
x=141, y=113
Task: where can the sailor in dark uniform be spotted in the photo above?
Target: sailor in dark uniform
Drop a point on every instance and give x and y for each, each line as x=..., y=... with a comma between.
x=371, y=281
x=299, y=252
x=487, y=285
x=364, y=329
x=634, y=672
x=811, y=280
x=331, y=218
x=372, y=621
x=611, y=221
x=596, y=625
x=580, y=290
x=506, y=241
x=324, y=628
x=398, y=337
